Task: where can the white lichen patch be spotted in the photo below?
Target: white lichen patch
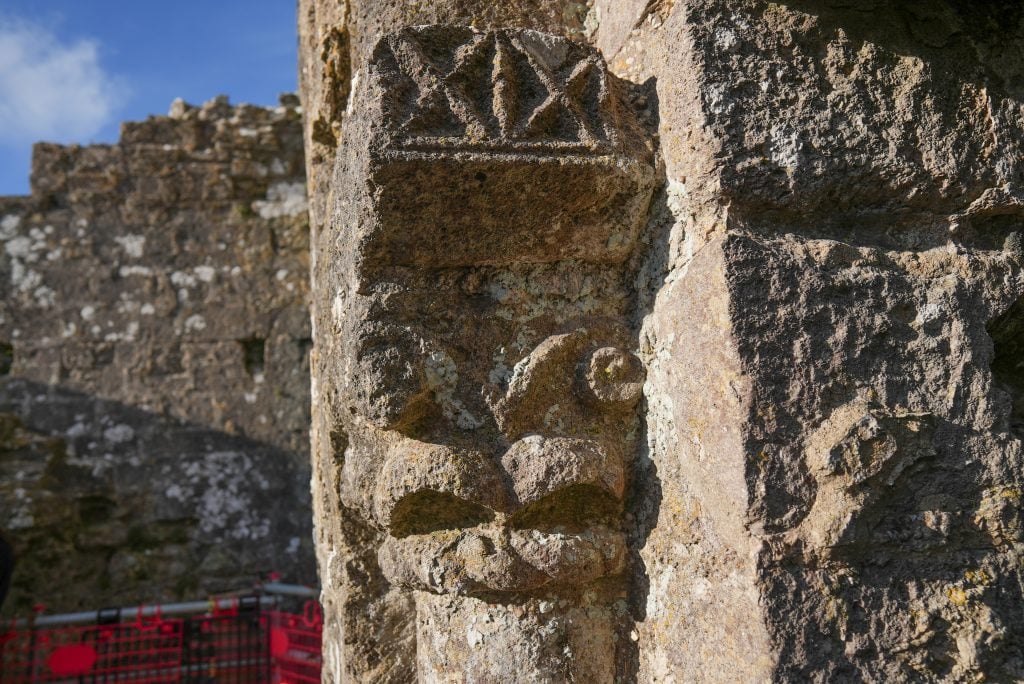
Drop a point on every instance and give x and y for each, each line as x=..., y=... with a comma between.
x=553, y=419
x=205, y=273
x=126, y=271
x=182, y=279
x=22, y=250
x=283, y=199
x=500, y=373
x=20, y=247
x=565, y=290
x=21, y=520
x=8, y=225
x=662, y=574
x=119, y=434
x=127, y=335
x=442, y=378
x=223, y=501
x=133, y=245
x=726, y=39
x=785, y=147
x=194, y=323
x=44, y=296
x=338, y=307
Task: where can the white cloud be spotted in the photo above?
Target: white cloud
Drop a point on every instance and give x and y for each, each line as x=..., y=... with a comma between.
x=51, y=90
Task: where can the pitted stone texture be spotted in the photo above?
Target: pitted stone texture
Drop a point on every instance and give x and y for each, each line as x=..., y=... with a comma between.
x=486, y=641
x=886, y=491
x=828, y=424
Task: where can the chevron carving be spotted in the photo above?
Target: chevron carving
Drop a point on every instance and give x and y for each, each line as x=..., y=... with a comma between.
x=500, y=90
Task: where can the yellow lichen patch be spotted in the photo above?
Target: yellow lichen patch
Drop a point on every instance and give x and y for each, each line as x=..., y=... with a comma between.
x=979, y=578
x=697, y=426
x=1011, y=493
x=956, y=596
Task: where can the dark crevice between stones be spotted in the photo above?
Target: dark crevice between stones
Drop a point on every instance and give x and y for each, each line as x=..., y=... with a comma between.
x=6, y=358
x=1007, y=332
x=253, y=354
x=338, y=443
x=95, y=509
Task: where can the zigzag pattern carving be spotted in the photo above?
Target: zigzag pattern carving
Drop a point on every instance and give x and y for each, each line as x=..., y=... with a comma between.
x=499, y=90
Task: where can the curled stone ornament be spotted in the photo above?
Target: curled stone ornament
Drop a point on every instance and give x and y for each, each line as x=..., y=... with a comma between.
x=486, y=206
x=614, y=377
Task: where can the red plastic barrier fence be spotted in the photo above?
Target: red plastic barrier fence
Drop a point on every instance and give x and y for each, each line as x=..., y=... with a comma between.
x=240, y=644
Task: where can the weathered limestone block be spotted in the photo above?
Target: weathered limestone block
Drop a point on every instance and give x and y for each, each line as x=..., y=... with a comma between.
x=475, y=369
x=844, y=180
x=874, y=514
x=336, y=39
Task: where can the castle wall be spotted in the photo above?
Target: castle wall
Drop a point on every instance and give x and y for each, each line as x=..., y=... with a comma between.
x=153, y=343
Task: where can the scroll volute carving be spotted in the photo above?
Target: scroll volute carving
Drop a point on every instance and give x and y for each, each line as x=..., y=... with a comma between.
x=484, y=371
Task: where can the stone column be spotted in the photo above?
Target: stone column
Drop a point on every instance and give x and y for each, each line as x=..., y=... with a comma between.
x=336, y=40
x=475, y=367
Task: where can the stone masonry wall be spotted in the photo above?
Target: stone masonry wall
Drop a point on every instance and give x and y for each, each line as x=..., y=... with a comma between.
x=153, y=338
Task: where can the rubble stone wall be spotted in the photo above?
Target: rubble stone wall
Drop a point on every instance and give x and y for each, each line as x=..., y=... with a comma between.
x=154, y=335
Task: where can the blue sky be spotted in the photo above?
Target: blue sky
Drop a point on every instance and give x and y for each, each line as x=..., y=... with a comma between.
x=72, y=70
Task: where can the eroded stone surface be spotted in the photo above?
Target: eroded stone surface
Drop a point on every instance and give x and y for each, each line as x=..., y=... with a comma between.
x=830, y=433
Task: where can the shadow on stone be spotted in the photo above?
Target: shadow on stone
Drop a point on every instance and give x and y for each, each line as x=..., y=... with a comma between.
x=109, y=504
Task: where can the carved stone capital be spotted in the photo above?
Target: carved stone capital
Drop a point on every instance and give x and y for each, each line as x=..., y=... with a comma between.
x=477, y=362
